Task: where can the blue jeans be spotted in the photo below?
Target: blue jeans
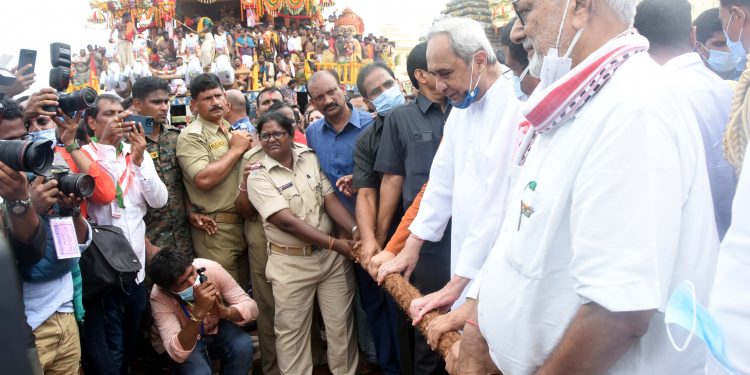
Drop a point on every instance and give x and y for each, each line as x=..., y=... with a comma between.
x=110, y=330
x=230, y=342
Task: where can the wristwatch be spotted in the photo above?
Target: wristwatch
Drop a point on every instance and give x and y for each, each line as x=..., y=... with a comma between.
x=70, y=212
x=73, y=146
x=18, y=207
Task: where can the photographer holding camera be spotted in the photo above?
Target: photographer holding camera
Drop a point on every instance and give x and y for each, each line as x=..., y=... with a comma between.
x=61, y=130
x=197, y=307
x=47, y=235
x=113, y=320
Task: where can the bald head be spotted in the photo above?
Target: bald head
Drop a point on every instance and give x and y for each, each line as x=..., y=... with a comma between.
x=237, y=102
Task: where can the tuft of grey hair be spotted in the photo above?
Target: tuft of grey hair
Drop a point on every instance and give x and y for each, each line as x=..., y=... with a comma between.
x=467, y=37
x=624, y=9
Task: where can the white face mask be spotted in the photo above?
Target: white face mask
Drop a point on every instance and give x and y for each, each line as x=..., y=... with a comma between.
x=555, y=66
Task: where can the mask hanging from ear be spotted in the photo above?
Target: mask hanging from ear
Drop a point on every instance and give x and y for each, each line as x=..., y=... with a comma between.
x=736, y=46
x=555, y=66
x=471, y=95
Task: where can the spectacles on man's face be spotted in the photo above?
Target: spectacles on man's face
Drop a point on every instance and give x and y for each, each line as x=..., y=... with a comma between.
x=265, y=137
x=520, y=14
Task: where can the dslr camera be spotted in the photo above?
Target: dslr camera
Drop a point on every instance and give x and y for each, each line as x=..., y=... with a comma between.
x=59, y=79
x=27, y=156
x=79, y=184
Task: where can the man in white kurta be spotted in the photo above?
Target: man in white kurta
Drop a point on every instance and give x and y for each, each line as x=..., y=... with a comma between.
x=729, y=304
x=607, y=213
x=668, y=27
x=477, y=142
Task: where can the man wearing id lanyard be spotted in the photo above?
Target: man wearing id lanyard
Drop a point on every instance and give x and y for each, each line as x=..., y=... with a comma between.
x=46, y=249
x=197, y=308
x=110, y=342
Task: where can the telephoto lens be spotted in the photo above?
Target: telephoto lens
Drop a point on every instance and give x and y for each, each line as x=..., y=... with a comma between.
x=77, y=100
x=79, y=184
x=26, y=156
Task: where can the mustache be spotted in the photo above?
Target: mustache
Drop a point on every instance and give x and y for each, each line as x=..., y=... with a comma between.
x=219, y=107
x=330, y=106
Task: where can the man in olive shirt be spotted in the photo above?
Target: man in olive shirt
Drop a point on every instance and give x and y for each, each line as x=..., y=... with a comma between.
x=166, y=227
x=209, y=156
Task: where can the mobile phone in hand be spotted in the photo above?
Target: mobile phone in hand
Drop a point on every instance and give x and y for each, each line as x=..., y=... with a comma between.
x=27, y=57
x=201, y=276
x=146, y=122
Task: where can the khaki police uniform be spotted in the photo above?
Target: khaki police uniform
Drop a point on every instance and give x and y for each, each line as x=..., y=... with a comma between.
x=298, y=271
x=199, y=144
x=262, y=293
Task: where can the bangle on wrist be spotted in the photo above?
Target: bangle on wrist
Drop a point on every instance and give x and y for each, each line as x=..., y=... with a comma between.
x=241, y=189
x=472, y=323
x=331, y=240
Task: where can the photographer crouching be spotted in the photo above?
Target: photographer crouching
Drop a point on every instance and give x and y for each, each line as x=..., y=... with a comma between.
x=197, y=307
x=47, y=234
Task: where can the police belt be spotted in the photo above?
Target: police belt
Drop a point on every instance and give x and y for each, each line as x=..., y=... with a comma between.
x=227, y=218
x=295, y=251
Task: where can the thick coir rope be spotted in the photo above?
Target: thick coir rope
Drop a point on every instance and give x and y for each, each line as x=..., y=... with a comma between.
x=403, y=293
x=737, y=131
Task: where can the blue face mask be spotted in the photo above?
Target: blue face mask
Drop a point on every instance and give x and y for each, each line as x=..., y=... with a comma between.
x=471, y=95
x=721, y=61
x=187, y=294
x=738, y=50
x=44, y=135
x=683, y=310
x=388, y=100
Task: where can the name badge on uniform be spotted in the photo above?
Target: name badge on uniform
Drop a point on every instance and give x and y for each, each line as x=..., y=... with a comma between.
x=217, y=144
x=154, y=154
x=285, y=186
x=64, y=237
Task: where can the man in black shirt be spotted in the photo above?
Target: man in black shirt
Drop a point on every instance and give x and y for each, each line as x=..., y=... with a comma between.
x=377, y=84
x=411, y=136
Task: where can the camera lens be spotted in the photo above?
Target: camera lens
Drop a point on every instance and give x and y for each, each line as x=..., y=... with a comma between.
x=25, y=156
x=79, y=184
x=78, y=100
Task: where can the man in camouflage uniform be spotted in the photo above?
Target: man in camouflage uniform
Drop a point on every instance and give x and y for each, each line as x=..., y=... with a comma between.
x=166, y=227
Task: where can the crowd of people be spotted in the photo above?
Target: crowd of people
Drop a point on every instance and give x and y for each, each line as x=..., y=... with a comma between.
x=276, y=53
x=569, y=201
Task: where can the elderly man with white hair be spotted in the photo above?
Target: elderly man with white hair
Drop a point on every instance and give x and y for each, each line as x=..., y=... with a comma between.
x=609, y=209
x=477, y=144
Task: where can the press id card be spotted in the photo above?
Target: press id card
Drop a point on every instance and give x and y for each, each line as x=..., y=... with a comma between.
x=64, y=236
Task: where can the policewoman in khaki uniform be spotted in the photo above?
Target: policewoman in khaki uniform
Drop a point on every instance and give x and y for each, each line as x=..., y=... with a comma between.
x=209, y=156
x=305, y=261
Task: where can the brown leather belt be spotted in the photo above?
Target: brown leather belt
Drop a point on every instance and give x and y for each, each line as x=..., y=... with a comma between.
x=227, y=218
x=295, y=251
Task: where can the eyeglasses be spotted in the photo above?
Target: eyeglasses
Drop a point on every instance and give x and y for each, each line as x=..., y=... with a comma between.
x=520, y=14
x=265, y=137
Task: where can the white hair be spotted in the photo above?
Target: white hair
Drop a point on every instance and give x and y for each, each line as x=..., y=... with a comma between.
x=467, y=37
x=624, y=9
